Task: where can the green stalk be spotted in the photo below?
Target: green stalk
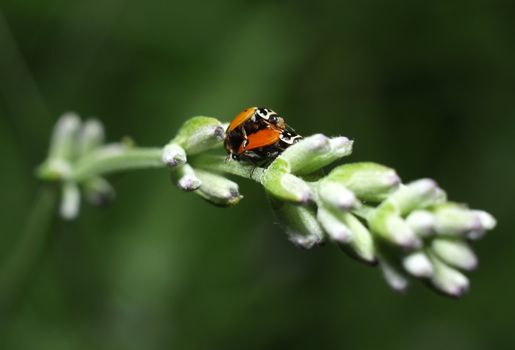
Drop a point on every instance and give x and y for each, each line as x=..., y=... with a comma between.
x=116, y=158
x=17, y=266
x=219, y=164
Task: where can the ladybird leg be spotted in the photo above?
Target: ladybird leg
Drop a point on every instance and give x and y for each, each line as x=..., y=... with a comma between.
x=245, y=137
x=232, y=156
x=244, y=142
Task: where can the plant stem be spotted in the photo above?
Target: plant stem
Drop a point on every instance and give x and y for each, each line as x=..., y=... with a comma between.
x=219, y=164
x=31, y=241
x=114, y=158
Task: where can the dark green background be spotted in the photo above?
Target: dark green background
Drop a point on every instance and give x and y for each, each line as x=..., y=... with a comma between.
x=427, y=87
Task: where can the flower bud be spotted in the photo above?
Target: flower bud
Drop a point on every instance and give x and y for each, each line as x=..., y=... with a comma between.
x=64, y=138
x=173, y=155
x=362, y=244
x=416, y=195
x=315, y=152
x=299, y=222
x=63, y=149
x=187, y=179
x=422, y=222
x=448, y=280
x=389, y=225
x=199, y=134
x=303, y=152
x=334, y=226
x=393, y=275
x=336, y=195
x=217, y=189
x=70, y=202
x=418, y=265
x=455, y=253
x=98, y=191
x=453, y=219
x=487, y=222
x=369, y=181
x=283, y=185
x=91, y=136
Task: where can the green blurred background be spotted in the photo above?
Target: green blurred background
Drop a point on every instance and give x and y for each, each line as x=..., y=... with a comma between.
x=427, y=87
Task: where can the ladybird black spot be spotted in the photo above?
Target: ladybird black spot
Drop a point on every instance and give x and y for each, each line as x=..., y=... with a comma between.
x=263, y=112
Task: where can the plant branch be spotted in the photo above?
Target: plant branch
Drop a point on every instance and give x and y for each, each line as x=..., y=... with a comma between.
x=219, y=164
x=409, y=230
x=116, y=158
x=28, y=249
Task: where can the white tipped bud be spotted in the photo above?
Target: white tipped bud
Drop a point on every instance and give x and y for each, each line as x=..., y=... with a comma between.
x=299, y=222
x=416, y=195
x=199, y=134
x=387, y=223
x=418, y=265
x=63, y=149
x=336, y=195
x=187, y=179
x=448, y=280
x=369, y=181
x=64, y=138
x=395, y=278
x=334, y=227
x=217, y=189
x=339, y=147
x=452, y=219
x=280, y=183
x=362, y=244
x=398, y=232
x=487, y=222
x=70, y=202
x=173, y=155
x=91, y=136
x=455, y=253
x=422, y=222
x=300, y=155
x=189, y=183
x=299, y=190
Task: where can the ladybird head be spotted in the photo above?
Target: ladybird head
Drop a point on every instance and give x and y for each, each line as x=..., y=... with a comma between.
x=270, y=116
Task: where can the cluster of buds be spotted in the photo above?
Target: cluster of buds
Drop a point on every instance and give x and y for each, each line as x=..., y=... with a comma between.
x=199, y=135
x=409, y=230
x=71, y=141
x=78, y=158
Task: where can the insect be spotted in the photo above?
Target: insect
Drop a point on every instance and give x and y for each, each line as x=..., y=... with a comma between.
x=258, y=135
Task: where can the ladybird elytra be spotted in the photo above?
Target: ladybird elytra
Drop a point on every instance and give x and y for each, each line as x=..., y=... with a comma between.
x=261, y=138
x=241, y=118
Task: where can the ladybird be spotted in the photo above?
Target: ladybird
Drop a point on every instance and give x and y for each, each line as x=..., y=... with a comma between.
x=258, y=135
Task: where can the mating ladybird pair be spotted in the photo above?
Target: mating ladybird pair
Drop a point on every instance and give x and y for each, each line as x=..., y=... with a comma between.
x=258, y=135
